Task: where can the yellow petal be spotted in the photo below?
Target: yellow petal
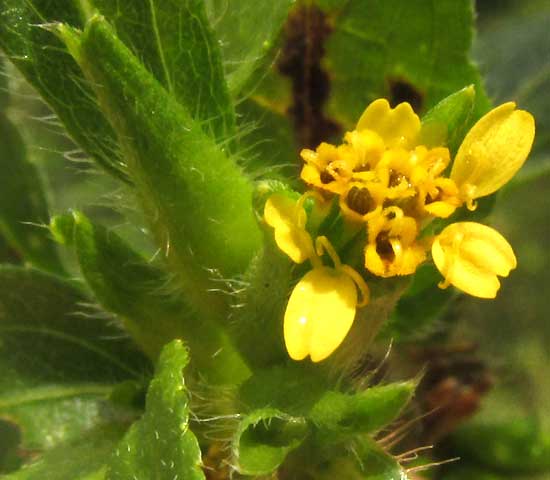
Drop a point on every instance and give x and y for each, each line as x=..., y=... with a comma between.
x=493, y=150
x=319, y=314
x=471, y=255
x=397, y=127
x=295, y=242
x=281, y=213
x=440, y=209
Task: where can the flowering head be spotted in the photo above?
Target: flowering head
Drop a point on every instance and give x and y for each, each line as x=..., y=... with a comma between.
x=392, y=186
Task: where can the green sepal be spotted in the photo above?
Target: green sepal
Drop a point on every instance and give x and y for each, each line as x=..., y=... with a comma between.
x=447, y=123
x=264, y=438
x=160, y=445
x=201, y=212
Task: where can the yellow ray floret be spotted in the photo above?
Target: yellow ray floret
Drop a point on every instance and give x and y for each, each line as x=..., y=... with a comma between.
x=493, y=151
x=470, y=256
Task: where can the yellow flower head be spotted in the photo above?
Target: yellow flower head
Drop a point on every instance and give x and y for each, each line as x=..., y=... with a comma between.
x=389, y=184
x=381, y=168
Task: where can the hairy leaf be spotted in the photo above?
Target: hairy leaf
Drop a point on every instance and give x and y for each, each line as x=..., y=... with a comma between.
x=59, y=362
x=201, y=211
x=337, y=415
x=369, y=462
x=23, y=206
x=48, y=67
x=402, y=50
x=264, y=438
x=126, y=284
x=244, y=39
x=83, y=458
x=175, y=42
x=160, y=445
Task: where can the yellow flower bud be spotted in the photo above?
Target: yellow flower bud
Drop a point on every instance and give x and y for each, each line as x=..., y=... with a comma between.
x=470, y=256
x=493, y=151
x=319, y=313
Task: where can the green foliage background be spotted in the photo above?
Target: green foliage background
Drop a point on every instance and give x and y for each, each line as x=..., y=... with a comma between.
x=152, y=86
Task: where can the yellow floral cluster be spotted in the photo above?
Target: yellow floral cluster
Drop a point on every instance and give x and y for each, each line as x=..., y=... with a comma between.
x=386, y=180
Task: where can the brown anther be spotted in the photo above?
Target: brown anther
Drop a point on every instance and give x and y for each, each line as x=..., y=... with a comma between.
x=326, y=177
x=384, y=247
x=360, y=200
x=433, y=198
x=396, y=178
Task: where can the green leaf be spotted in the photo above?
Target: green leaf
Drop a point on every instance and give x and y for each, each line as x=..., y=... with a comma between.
x=175, y=42
x=10, y=438
x=83, y=458
x=338, y=415
x=245, y=41
x=48, y=67
x=264, y=438
x=369, y=462
x=448, y=122
x=126, y=284
x=292, y=389
x=59, y=362
x=23, y=206
x=201, y=212
x=4, y=93
x=160, y=445
x=402, y=50
x=518, y=445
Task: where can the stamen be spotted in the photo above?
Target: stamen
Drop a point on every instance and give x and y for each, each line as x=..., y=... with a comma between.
x=359, y=282
x=323, y=245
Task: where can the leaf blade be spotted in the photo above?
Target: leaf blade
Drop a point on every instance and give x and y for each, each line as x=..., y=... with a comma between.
x=160, y=445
